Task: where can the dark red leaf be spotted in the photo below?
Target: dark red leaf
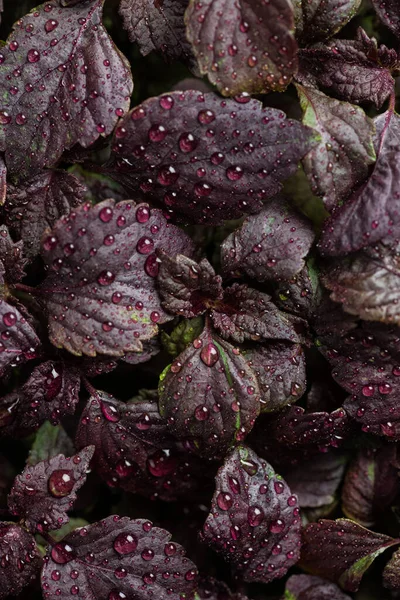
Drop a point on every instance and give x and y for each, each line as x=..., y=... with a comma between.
x=270, y=245
x=18, y=340
x=206, y=159
x=389, y=12
x=371, y=213
x=341, y=550
x=43, y=493
x=150, y=349
x=254, y=520
x=243, y=46
x=247, y=314
x=281, y=373
x=209, y=395
x=308, y=587
x=100, y=291
x=116, y=558
x=211, y=589
x=158, y=25
x=300, y=295
x=187, y=287
x=355, y=70
x=340, y=162
x=391, y=572
x=11, y=256
x=20, y=559
x=35, y=205
x=371, y=484
x=315, y=482
x=316, y=21
x=70, y=91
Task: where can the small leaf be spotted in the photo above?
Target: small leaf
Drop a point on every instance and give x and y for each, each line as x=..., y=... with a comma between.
x=114, y=304
x=254, y=520
x=301, y=295
x=243, y=47
x=355, y=70
x=11, y=256
x=49, y=441
x=129, y=559
x=308, y=587
x=270, y=245
x=204, y=159
x=17, y=548
x=211, y=589
x=316, y=21
x=391, y=572
x=389, y=14
x=209, y=395
x=43, y=493
x=157, y=26
x=18, y=338
x=35, y=205
x=281, y=373
x=340, y=162
x=86, y=80
x=186, y=287
x=341, y=550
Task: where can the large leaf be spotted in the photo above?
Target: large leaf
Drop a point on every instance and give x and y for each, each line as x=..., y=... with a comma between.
x=118, y=558
x=270, y=245
x=21, y=559
x=67, y=91
x=281, y=373
x=210, y=395
x=100, y=290
x=157, y=26
x=44, y=492
x=341, y=550
x=35, y=205
x=355, y=70
x=254, y=520
x=205, y=159
x=340, y=162
x=371, y=213
x=367, y=283
x=18, y=340
x=243, y=46
x=389, y=13
x=316, y=20
x=11, y=256
x=308, y=587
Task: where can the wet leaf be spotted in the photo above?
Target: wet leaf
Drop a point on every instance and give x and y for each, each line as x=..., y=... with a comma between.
x=389, y=14
x=11, y=256
x=254, y=520
x=43, y=493
x=17, y=549
x=317, y=21
x=227, y=158
x=308, y=587
x=211, y=589
x=100, y=290
x=391, y=572
x=18, y=338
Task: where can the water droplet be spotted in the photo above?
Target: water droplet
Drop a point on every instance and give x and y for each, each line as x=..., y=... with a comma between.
x=14, y=46
x=201, y=412
x=224, y=501
x=50, y=25
x=249, y=466
x=148, y=554
x=367, y=390
x=255, y=516
x=106, y=278
x=120, y=573
x=116, y=595
x=234, y=485
x=9, y=319
x=62, y=553
x=166, y=102
x=151, y=266
x=125, y=543
x=234, y=173
x=170, y=549
x=33, y=55
x=142, y=214
x=20, y=119
x=110, y=412
x=61, y=483
x=106, y=214
x=277, y=526
x=187, y=142
x=167, y=175
x=116, y=297
x=5, y=117
x=205, y=117
x=145, y=245
x=209, y=354
x=157, y=133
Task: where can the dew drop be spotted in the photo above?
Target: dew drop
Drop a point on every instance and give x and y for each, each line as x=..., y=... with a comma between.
x=145, y=245
x=110, y=412
x=33, y=55
x=50, y=25
x=106, y=278
x=148, y=554
x=255, y=516
x=125, y=543
x=62, y=553
x=106, y=214
x=157, y=133
x=61, y=483
x=209, y=354
x=142, y=214
x=9, y=319
x=205, y=117
x=187, y=142
x=224, y=501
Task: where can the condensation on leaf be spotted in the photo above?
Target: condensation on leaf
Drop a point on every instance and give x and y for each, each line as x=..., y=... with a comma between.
x=20, y=558
x=316, y=20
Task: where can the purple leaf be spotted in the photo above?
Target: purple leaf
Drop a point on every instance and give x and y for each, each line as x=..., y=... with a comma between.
x=300, y=295
x=355, y=70
x=315, y=482
x=371, y=213
x=341, y=550
x=158, y=26
x=51, y=392
x=247, y=314
x=77, y=88
x=318, y=21
x=35, y=205
x=3, y=179
x=391, y=572
x=116, y=558
x=18, y=338
x=340, y=162
x=100, y=290
x=209, y=395
x=389, y=13
x=270, y=245
x=211, y=589
x=21, y=559
x=243, y=46
x=367, y=283
x=281, y=373
x=186, y=287
x=308, y=587
x=43, y=493
x=205, y=159
x=371, y=484
x=254, y=520
x=11, y=256
x=150, y=348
